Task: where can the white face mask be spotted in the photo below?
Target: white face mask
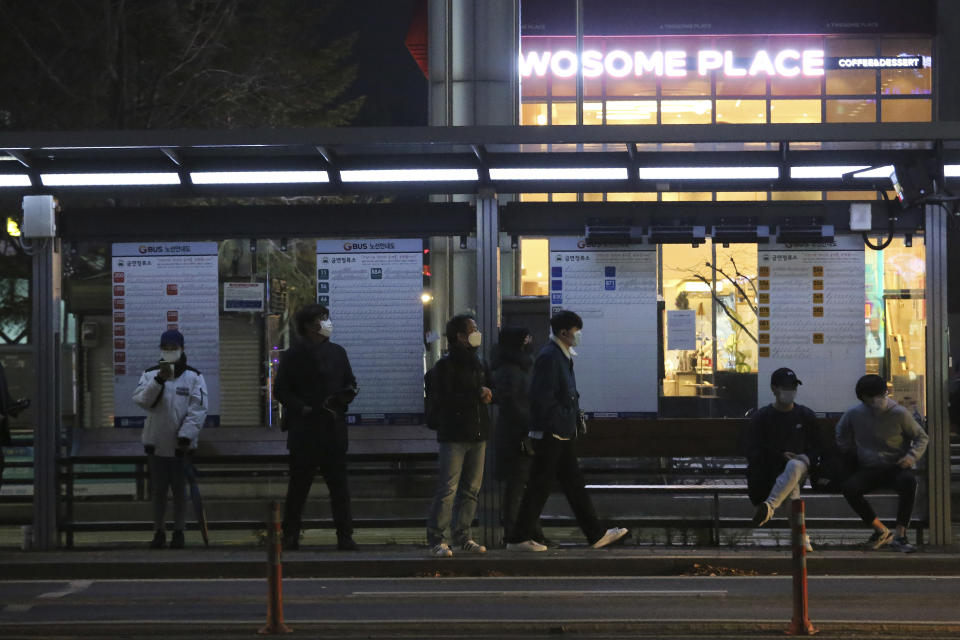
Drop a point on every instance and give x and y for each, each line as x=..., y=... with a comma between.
x=326, y=328
x=576, y=337
x=475, y=339
x=170, y=355
x=786, y=396
x=879, y=403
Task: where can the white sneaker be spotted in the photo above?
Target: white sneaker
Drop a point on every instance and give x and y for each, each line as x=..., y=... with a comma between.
x=526, y=545
x=806, y=543
x=611, y=536
x=763, y=514
x=473, y=547
x=442, y=550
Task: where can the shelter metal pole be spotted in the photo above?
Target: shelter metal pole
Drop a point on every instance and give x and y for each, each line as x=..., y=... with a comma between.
x=488, y=318
x=938, y=345
x=46, y=435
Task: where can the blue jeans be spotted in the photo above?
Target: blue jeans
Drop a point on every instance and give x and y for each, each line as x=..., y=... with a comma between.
x=459, y=476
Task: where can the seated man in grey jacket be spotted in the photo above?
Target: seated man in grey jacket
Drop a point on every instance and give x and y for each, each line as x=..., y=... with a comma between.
x=886, y=442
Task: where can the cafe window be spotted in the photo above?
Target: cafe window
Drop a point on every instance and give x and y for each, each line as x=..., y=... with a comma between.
x=906, y=110
x=632, y=112
x=804, y=111
x=534, y=266
x=851, y=110
x=686, y=112
x=533, y=114
x=895, y=319
x=850, y=81
x=741, y=111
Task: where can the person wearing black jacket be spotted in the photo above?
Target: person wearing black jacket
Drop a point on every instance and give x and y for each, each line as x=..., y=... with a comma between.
x=782, y=445
x=466, y=390
x=6, y=412
x=512, y=371
x=555, y=410
x=315, y=384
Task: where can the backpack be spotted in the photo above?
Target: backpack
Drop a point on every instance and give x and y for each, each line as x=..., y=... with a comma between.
x=431, y=399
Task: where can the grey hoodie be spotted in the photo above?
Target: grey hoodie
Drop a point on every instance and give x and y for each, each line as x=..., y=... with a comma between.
x=880, y=437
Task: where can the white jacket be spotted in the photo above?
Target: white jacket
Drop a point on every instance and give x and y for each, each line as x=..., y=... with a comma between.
x=175, y=409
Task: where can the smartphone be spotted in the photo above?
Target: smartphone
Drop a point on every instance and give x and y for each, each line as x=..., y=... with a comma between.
x=167, y=368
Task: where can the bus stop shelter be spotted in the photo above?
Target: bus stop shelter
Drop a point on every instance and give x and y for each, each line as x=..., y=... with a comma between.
x=460, y=181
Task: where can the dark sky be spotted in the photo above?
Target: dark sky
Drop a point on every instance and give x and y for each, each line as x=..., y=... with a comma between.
x=395, y=88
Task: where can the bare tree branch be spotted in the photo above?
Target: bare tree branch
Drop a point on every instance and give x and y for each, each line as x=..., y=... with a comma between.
x=726, y=309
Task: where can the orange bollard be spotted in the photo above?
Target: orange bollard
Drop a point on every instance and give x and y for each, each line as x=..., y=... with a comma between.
x=274, y=577
x=800, y=625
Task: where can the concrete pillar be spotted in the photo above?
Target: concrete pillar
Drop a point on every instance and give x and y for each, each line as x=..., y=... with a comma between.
x=46, y=338
x=488, y=318
x=938, y=344
x=473, y=52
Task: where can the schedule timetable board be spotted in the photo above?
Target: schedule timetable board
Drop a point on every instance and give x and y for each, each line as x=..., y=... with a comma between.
x=160, y=286
x=811, y=319
x=373, y=288
x=614, y=289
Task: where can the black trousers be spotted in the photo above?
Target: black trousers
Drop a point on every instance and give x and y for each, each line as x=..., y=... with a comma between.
x=2, y=464
x=515, y=474
x=333, y=468
x=863, y=481
x=555, y=460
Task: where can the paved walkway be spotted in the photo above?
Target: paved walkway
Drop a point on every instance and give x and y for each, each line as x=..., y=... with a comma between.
x=409, y=560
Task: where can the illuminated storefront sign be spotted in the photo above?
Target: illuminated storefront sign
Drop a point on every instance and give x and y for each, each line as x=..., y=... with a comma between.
x=678, y=63
x=900, y=62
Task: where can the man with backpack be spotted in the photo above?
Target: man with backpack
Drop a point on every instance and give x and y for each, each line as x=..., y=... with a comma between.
x=458, y=392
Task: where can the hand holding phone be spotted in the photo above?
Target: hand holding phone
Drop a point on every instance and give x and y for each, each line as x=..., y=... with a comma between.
x=166, y=370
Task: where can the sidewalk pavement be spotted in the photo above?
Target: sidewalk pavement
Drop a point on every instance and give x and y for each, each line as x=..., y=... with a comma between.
x=415, y=561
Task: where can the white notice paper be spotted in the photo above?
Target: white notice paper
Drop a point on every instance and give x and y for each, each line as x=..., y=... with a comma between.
x=372, y=288
x=682, y=329
x=811, y=312
x=243, y=296
x=160, y=286
x=614, y=289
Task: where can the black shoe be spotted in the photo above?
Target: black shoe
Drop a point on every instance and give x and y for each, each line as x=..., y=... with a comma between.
x=177, y=542
x=159, y=540
x=346, y=543
x=290, y=543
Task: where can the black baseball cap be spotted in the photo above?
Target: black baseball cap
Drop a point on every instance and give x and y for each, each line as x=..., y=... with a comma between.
x=171, y=338
x=784, y=377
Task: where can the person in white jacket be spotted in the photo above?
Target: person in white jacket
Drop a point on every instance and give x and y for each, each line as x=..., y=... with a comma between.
x=175, y=399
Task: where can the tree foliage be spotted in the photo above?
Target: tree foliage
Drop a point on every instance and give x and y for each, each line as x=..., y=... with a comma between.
x=162, y=64
x=131, y=64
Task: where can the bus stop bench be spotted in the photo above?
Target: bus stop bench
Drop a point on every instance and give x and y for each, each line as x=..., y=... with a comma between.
x=240, y=525
x=715, y=522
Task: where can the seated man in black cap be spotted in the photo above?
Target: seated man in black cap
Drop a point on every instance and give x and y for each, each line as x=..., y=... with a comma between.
x=782, y=444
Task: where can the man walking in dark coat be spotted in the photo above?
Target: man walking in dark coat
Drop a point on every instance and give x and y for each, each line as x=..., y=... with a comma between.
x=555, y=405
x=315, y=384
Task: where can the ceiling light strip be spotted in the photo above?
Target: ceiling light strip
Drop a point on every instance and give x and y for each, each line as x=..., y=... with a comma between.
x=258, y=177
x=108, y=179
x=837, y=171
x=14, y=180
x=409, y=175
x=709, y=173
x=584, y=173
